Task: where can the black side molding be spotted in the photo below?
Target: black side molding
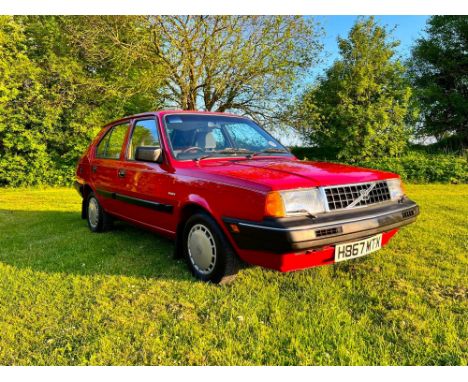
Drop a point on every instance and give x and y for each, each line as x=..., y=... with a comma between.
x=137, y=202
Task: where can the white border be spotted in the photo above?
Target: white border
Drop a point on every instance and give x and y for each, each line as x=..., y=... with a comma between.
x=203, y=374
x=245, y=7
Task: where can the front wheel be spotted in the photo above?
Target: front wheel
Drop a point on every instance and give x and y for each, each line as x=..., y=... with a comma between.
x=209, y=255
x=98, y=219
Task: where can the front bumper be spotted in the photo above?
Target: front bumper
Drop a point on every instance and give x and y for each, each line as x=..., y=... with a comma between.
x=78, y=187
x=285, y=235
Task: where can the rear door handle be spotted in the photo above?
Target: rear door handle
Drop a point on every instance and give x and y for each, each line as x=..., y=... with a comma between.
x=121, y=173
x=94, y=168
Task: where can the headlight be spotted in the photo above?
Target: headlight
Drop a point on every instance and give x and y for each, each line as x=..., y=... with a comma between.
x=287, y=203
x=396, y=189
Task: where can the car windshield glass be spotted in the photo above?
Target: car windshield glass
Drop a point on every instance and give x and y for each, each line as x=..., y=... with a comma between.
x=195, y=136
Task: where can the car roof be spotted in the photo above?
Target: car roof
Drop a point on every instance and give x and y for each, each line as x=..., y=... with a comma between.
x=167, y=112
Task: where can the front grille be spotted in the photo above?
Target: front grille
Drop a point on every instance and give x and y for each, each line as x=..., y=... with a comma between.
x=339, y=197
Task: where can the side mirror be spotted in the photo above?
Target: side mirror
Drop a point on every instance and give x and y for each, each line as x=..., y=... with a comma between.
x=148, y=154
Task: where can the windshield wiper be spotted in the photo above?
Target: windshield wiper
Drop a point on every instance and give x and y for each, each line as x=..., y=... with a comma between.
x=232, y=150
x=269, y=151
x=227, y=150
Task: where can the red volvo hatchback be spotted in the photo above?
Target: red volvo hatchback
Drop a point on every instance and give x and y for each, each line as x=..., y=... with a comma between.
x=228, y=193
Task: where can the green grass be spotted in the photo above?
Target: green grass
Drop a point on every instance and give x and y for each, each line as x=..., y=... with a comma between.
x=68, y=296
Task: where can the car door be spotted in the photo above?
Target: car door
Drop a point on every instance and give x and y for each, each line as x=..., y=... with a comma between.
x=145, y=186
x=106, y=165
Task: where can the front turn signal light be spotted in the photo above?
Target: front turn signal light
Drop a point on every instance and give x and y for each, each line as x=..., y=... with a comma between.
x=274, y=206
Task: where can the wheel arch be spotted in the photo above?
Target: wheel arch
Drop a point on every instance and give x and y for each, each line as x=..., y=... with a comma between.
x=186, y=211
x=194, y=203
x=85, y=191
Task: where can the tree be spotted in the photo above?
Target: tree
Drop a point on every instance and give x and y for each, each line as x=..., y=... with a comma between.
x=359, y=108
x=64, y=82
x=23, y=152
x=87, y=78
x=439, y=69
x=246, y=64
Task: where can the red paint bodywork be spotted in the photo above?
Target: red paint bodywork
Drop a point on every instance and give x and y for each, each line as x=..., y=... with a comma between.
x=224, y=187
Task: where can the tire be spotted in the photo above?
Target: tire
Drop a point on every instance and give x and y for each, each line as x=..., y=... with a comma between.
x=98, y=220
x=209, y=255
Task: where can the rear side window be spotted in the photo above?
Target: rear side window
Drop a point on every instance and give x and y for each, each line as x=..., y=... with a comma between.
x=145, y=133
x=111, y=145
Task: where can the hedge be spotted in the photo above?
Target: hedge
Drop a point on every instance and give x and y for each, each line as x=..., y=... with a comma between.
x=415, y=166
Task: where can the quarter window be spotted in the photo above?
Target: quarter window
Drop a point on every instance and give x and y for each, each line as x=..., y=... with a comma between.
x=145, y=133
x=111, y=145
x=102, y=146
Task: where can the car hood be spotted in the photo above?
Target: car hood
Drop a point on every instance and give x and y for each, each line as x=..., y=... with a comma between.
x=281, y=174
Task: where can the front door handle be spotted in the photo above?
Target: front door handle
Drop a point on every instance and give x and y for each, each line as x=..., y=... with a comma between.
x=121, y=173
x=94, y=168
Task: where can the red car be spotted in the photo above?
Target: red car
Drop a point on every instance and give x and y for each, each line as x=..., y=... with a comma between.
x=229, y=193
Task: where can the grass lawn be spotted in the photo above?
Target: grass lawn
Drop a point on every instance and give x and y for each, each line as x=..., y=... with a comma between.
x=70, y=297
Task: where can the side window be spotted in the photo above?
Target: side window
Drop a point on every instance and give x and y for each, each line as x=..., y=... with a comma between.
x=111, y=145
x=145, y=133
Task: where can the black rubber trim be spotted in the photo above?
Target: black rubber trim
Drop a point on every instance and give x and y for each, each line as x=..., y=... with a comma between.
x=297, y=234
x=106, y=194
x=78, y=187
x=137, y=202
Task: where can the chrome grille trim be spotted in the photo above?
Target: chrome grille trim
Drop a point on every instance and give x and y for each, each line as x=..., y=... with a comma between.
x=356, y=195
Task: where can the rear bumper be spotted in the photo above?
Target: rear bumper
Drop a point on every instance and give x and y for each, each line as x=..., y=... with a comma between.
x=286, y=235
x=78, y=187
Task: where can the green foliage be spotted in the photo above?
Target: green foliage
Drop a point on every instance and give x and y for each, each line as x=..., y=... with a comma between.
x=64, y=83
x=362, y=104
x=423, y=168
x=70, y=297
x=440, y=76
x=414, y=165
x=60, y=84
x=23, y=149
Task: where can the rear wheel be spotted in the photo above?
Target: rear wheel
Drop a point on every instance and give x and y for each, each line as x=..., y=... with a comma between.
x=209, y=255
x=98, y=219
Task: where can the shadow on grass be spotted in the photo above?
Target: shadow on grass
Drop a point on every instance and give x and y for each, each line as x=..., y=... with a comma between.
x=56, y=241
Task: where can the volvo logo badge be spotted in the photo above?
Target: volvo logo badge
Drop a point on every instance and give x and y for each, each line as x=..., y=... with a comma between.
x=364, y=195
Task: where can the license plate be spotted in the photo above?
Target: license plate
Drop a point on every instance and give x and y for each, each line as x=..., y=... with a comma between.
x=348, y=251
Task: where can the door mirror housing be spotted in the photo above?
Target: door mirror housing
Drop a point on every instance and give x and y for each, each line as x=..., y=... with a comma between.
x=148, y=154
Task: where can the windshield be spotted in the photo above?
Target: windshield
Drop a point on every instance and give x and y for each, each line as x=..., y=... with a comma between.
x=196, y=136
